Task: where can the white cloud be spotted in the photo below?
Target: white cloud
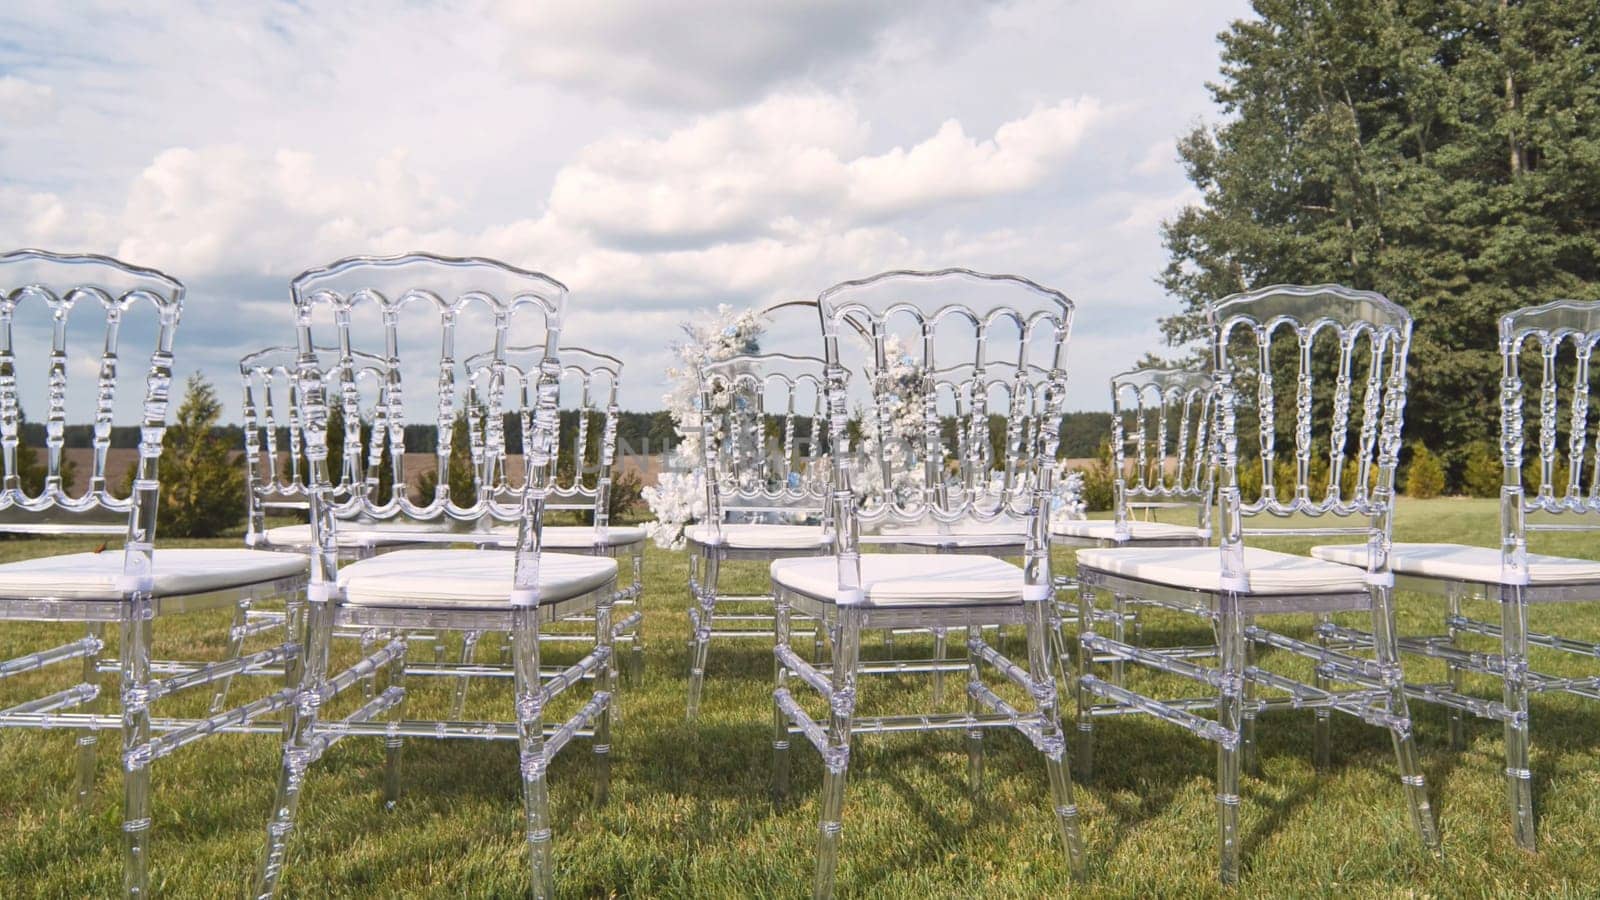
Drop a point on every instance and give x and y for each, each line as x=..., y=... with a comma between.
x=22, y=100
x=748, y=171
x=700, y=54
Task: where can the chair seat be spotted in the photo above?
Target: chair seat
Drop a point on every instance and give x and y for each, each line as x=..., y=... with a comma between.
x=1460, y=562
x=560, y=537
x=349, y=536
x=96, y=576
x=765, y=537
x=1200, y=568
x=890, y=579
x=1106, y=530
x=466, y=578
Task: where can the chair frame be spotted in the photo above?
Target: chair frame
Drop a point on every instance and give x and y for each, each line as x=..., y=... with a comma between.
x=1551, y=326
x=859, y=308
x=1380, y=699
x=506, y=291
x=733, y=486
x=116, y=288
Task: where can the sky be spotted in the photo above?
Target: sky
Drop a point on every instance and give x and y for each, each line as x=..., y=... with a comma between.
x=659, y=157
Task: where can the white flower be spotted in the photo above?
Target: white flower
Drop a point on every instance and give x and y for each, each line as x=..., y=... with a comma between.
x=679, y=494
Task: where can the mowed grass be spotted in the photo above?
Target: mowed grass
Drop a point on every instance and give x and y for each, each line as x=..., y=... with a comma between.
x=690, y=812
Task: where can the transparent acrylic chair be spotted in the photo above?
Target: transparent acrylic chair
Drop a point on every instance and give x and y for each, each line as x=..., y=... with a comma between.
x=276, y=468
x=1334, y=332
x=581, y=484
x=1165, y=414
x=1556, y=341
x=765, y=497
x=955, y=315
x=131, y=586
x=430, y=305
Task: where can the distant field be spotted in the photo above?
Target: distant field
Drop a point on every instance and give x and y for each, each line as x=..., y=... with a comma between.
x=690, y=814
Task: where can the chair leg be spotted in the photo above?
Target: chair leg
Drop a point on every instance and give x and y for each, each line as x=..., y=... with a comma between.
x=1119, y=633
x=394, y=745
x=135, y=667
x=780, y=681
x=707, y=600
x=530, y=734
x=1248, y=758
x=1519, y=778
x=1085, y=668
x=606, y=680
x=974, y=735
x=219, y=700
x=1458, y=729
x=89, y=738
x=636, y=644
x=369, y=639
x=1323, y=718
x=300, y=728
x=1043, y=688
x=1386, y=649
x=940, y=646
x=458, y=703
x=1231, y=663
x=841, y=706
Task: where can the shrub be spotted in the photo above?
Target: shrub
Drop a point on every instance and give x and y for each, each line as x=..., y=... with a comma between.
x=1481, y=472
x=1425, y=476
x=627, y=492
x=1099, y=491
x=202, y=487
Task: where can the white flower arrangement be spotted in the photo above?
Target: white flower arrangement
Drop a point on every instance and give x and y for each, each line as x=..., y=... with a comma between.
x=678, y=496
x=1066, y=501
x=906, y=402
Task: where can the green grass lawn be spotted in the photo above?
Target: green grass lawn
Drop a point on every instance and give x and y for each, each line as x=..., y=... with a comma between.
x=690, y=813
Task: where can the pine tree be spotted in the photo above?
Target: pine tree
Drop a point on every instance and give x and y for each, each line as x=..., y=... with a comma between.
x=202, y=486
x=1447, y=155
x=1425, y=477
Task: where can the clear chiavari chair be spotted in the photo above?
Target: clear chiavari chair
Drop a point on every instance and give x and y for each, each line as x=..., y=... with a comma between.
x=276, y=468
x=954, y=314
x=1332, y=332
x=1165, y=415
x=431, y=304
x=765, y=493
x=132, y=586
x=581, y=483
x=1556, y=340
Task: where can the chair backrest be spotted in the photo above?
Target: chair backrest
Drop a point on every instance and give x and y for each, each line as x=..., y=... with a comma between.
x=276, y=470
x=964, y=459
x=111, y=294
x=586, y=437
x=1562, y=335
x=1166, y=415
x=941, y=320
x=1329, y=330
x=760, y=417
x=420, y=306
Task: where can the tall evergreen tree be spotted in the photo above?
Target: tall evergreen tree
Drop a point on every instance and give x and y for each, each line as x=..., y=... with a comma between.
x=202, y=486
x=1446, y=154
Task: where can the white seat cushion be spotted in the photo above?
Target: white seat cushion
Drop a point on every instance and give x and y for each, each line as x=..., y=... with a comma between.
x=1106, y=530
x=977, y=539
x=349, y=536
x=1200, y=568
x=1460, y=562
x=891, y=579
x=95, y=576
x=765, y=537
x=467, y=578
x=582, y=537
